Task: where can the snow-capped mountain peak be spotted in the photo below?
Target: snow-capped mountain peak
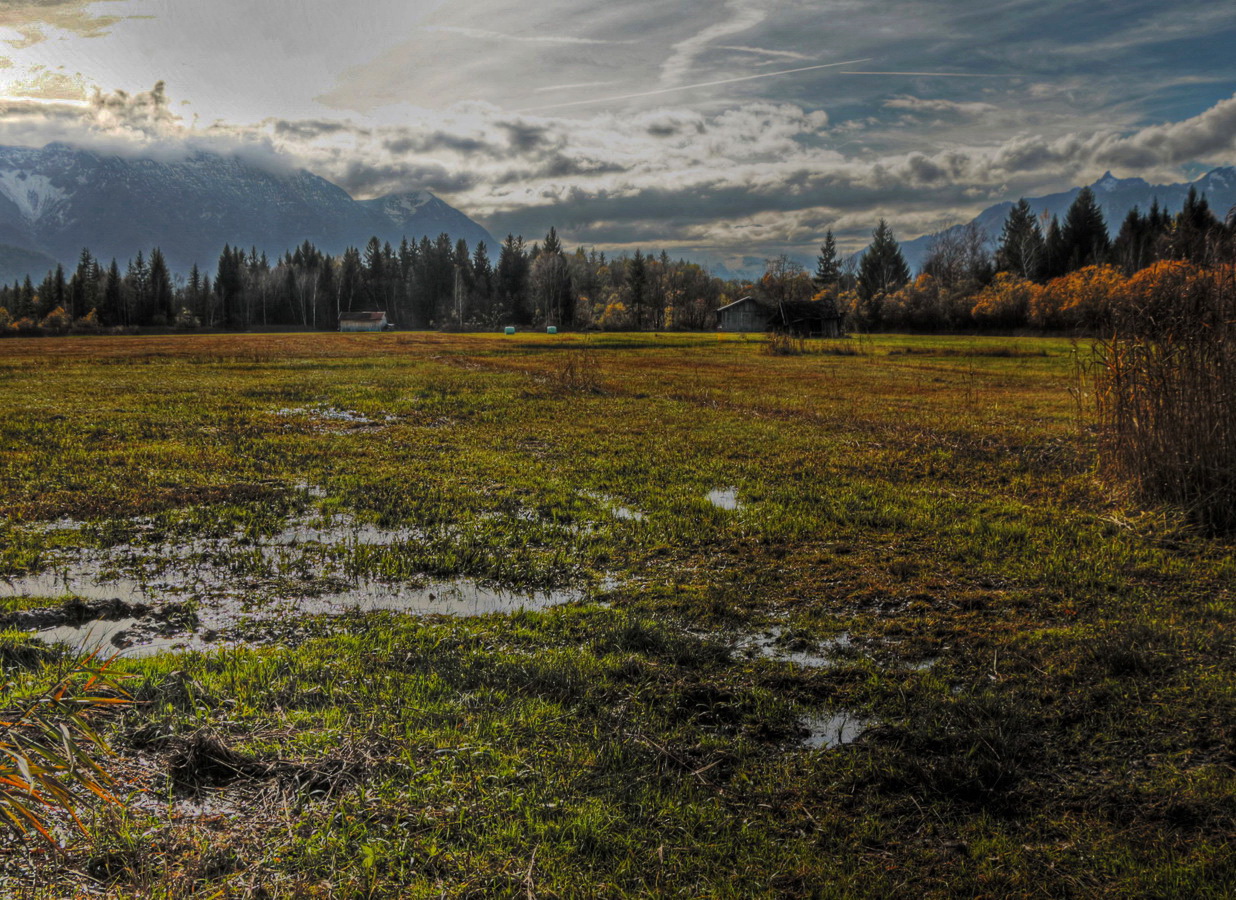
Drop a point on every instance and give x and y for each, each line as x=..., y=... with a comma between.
x=58, y=199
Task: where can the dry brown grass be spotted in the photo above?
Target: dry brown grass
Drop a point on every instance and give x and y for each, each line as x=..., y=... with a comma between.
x=1166, y=392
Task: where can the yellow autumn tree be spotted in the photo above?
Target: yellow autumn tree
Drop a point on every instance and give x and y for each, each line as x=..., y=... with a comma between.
x=1006, y=302
x=1081, y=299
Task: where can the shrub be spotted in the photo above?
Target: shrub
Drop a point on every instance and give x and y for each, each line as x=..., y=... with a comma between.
x=1081, y=299
x=57, y=321
x=25, y=326
x=87, y=324
x=185, y=320
x=781, y=344
x=1006, y=302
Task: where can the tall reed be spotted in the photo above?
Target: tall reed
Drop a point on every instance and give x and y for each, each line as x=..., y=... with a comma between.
x=1166, y=390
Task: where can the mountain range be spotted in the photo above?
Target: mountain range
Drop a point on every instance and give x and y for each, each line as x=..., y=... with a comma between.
x=58, y=199
x=1116, y=196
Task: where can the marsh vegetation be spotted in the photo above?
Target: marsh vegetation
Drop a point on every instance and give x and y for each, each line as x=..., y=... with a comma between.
x=859, y=621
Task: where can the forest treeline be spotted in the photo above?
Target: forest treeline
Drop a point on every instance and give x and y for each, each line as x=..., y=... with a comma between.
x=1043, y=274
x=427, y=284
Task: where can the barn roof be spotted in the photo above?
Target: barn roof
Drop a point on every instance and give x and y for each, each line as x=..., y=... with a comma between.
x=792, y=309
x=362, y=316
x=738, y=301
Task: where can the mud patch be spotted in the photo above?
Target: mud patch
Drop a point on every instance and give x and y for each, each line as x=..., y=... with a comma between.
x=777, y=644
x=323, y=417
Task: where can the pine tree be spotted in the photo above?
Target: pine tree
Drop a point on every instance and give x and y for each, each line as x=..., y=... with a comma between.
x=1055, y=253
x=512, y=279
x=482, y=280
x=162, y=297
x=83, y=286
x=1135, y=245
x=827, y=264
x=137, y=287
x=351, y=281
x=882, y=271
x=26, y=300
x=637, y=287
x=1084, y=233
x=113, y=311
x=229, y=287
x=1022, y=247
x=1193, y=229
x=553, y=246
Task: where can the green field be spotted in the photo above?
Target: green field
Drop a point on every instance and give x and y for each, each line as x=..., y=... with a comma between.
x=858, y=622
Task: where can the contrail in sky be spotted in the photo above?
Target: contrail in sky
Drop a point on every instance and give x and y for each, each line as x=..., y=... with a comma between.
x=688, y=87
x=933, y=74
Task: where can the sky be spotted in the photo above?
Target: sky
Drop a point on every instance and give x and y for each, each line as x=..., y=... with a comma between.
x=723, y=130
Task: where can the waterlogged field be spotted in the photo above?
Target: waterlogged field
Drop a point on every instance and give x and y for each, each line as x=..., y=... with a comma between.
x=421, y=615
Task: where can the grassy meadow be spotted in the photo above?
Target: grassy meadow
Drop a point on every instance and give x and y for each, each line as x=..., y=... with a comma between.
x=911, y=646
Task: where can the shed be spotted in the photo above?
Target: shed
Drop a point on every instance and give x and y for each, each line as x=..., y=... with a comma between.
x=364, y=321
x=746, y=314
x=806, y=318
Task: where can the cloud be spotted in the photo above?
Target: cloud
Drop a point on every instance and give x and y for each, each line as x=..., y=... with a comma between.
x=32, y=19
x=969, y=109
x=483, y=35
x=744, y=16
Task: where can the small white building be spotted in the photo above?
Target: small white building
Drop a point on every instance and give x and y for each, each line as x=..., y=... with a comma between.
x=364, y=321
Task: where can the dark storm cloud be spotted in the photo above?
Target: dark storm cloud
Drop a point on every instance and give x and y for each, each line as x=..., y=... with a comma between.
x=362, y=179
x=309, y=129
x=439, y=140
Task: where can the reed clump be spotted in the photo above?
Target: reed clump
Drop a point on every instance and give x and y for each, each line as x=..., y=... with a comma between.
x=1166, y=390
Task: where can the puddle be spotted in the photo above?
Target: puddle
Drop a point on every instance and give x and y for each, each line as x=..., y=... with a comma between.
x=335, y=414
x=830, y=730
x=231, y=582
x=724, y=498
x=459, y=597
x=119, y=637
x=346, y=532
x=772, y=645
x=616, y=509
x=83, y=581
x=134, y=637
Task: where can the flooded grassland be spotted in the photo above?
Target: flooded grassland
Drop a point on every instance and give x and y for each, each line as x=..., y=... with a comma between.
x=424, y=615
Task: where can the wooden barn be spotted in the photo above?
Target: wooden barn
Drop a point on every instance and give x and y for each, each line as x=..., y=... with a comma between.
x=747, y=314
x=364, y=321
x=804, y=318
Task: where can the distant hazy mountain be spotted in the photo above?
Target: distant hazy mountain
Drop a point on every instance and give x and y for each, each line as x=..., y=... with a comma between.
x=56, y=200
x=16, y=263
x=1116, y=197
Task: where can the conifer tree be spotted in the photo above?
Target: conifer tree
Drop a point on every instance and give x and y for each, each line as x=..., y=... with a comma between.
x=1193, y=229
x=637, y=287
x=1055, y=253
x=1022, y=246
x=882, y=271
x=162, y=296
x=512, y=279
x=827, y=264
x=1084, y=233
x=113, y=311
